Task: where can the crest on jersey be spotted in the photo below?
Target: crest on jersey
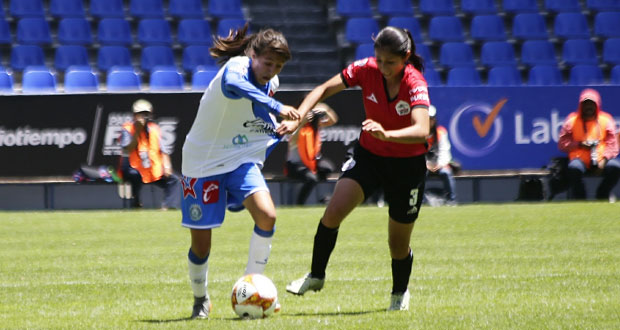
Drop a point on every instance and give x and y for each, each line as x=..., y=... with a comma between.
x=195, y=212
x=210, y=192
x=402, y=108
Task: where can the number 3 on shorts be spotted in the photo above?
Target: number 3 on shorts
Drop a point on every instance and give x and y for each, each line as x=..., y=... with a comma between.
x=413, y=201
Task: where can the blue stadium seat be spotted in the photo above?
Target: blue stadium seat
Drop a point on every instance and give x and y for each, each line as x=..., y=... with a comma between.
x=111, y=56
x=579, y=51
x=197, y=56
x=422, y=50
x=38, y=81
x=534, y=52
x=463, y=76
x=432, y=77
x=478, y=7
x=107, y=8
x=487, y=28
x=146, y=8
x=6, y=81
x=607, y=24
x=26, y=8
x=456, y=54
x=33, y=31
x=67, y=8
x=437, y=7
x=353, y=8
x=497, y=53
x=154, y=31
x=611, y=51
x=360, y=30
x=563, y=5
x=395, y=7
x=445, y=29
x=507, y=75
x=364, y=50
x=5, y=32
x=80, y=81
x=123, y=80
x=74, y=31
x=114, y=31
x=571, y=26
x=409, y=23
x=584, y=74
x=186, y=9
x=201, y=78
x=194, y=32
x=226, y=24
x=165, y=79
x=153, y=56
x=225, y=8
x=23, y=56
x=603, y=5
x=615, y=75
x=529, y=26
x=520, y=6
x=544, y=75
x=67, y=56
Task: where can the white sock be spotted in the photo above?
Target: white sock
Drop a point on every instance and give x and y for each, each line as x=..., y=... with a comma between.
x=260, y=248
x=198, y=276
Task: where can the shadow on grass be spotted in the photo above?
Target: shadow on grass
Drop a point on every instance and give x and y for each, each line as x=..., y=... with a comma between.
x=334, y=313
x=187, y=319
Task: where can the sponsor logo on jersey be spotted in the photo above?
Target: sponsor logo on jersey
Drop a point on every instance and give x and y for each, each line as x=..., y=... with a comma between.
x=372, y=98
x=240, y=139
x=195, y=212
x=402, y=108
x=258, y=125
x=188, y=186
x=419, y=97
x=210, y=192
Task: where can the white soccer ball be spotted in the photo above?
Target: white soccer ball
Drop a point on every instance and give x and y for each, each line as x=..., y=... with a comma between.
x=254, y=296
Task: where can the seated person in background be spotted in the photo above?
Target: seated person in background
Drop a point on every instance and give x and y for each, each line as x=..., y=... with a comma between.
x=438, y=156
x=304, y=151
x=143, y=160
x=588, y=135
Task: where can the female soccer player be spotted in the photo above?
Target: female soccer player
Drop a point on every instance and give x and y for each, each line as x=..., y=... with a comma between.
x=389, y=155
x=234, y=130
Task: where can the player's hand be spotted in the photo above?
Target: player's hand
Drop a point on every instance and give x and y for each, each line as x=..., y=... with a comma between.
x=287, y=127
x=374, y=128
x=290, y=113
x=138, y=124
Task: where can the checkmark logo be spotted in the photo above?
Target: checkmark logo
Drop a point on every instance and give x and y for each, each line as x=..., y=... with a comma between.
x=482, y=128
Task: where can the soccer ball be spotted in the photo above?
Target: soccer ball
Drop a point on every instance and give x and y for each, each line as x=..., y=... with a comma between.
x=254, y=296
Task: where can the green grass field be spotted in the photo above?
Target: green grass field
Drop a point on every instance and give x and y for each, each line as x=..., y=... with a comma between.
x=502, y=266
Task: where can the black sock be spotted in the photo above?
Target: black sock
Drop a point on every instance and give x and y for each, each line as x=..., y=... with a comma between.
x=401, y=270
x=324, y=243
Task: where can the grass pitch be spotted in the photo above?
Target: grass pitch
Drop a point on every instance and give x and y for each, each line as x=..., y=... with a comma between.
x=502, y=266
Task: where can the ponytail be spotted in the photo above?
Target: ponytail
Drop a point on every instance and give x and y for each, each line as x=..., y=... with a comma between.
x=416, y=60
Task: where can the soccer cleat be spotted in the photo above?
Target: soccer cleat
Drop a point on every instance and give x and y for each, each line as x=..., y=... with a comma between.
x=400, y=301
x=202, y=307
x=304, y=284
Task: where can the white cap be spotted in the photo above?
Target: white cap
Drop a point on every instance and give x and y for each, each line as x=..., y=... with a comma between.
x=142, y=106
x=432, y=111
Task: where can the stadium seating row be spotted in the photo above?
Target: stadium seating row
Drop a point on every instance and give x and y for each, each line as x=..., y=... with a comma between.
x=82, y=79
x=137, y=8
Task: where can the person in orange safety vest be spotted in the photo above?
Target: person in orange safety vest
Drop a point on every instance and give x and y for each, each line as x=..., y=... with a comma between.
x=588, y=136
x=304, y=151
x=144, y=160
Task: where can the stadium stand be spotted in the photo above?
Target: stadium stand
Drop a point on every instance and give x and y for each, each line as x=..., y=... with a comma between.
x=535, y=52
x=558, y=6
x=154, y=31
x=26, y=8
x=395, y=8
x=446, y=29
x=353, y=8
x=6, y=81
x=359, y=30
x=463, y=76
x=364, y=50
x=488, y=28
x=166, y=79
x=195, y=56
x=579, y=51
x=571, y=26
x=478, y=7
x=544, y=75
x=74, y=31
x=528, y=26
x=615, y=75
x=5, y=32
x=23, y=56
x=201, y=77
x=181, y=9
x=81, y=81
x=38, y=80
x=225, y=25
x=437, y=7
x=520, y=6
x=409, y=23
x=67, y=8
x=506, y=75
x=455, y=54
x=70, y=55
x=603, y=5
x=146, y=8
x=432, y=77
x=497, y=53
x=107, y=8
x=114, y=31
x=33, y=31
x=123, y=80
x=586, y=74
x=154, y=56
x=607, y=24
x=113, y=56
x=194, y=32
x=611, y=51
x=225, y=8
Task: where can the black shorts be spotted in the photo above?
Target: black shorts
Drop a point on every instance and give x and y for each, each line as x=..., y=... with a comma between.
x=402, y=181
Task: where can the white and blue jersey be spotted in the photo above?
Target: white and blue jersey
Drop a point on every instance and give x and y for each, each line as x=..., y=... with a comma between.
x=234, y=131
x=235, y=123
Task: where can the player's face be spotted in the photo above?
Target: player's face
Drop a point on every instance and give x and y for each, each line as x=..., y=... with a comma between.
x=266, y=65
x=389, y=64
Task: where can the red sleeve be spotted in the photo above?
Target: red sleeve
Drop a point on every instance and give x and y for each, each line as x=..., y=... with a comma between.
x=418, y=92
x=354, y=73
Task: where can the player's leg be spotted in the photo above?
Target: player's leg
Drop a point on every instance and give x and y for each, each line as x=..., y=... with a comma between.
x=261, y=207
x=611, y=174
x=576, y=170
x=198, y=269
x=347, y=195
x=134, y=178
x=399, y=236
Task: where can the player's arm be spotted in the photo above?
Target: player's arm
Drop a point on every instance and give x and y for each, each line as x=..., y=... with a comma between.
x=416, y=133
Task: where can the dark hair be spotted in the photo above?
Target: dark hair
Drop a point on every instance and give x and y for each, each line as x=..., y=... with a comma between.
x=398, y=41
x=238, y=43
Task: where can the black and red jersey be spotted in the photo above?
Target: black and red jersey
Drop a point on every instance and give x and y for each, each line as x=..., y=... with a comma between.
x=391, y=114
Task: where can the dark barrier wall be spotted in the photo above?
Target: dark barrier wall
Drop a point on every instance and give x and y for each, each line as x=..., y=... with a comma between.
x=516, y=127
